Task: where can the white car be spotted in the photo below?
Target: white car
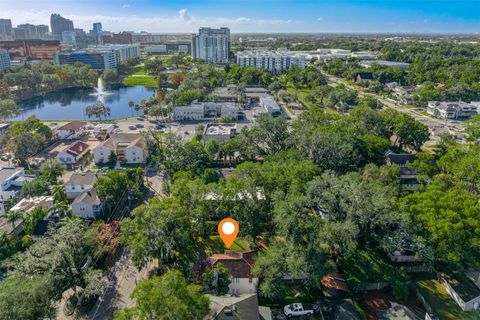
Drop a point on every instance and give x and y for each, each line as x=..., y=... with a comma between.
x=298, y=309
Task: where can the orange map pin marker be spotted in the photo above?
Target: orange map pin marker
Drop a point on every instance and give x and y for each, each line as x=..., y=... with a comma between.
x=228, y=230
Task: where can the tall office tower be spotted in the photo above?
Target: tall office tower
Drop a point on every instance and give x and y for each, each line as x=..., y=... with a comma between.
x=21, y=34
x=32, y=32
x=6, y=30
x=211, y=45
x=42, y=30
x=60, y=24
x=97, y=33
x=4, y=60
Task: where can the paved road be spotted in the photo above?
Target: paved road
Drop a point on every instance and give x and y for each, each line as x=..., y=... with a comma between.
x=122, y=280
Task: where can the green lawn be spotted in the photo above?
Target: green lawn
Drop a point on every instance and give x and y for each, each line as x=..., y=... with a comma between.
x=216, y=245
x=147, y=81
x=443, y=305
x=301, y=95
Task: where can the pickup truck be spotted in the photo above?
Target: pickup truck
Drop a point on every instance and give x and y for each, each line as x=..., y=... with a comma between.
x=298, y=309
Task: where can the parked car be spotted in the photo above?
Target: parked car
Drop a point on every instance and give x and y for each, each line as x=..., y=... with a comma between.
x=298, y=309
x=186, y=132
x=160, y=126
x=132, y=127
x=139, y=125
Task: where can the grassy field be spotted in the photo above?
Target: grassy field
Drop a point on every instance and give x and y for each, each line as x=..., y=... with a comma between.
x=216, y=245
x=443, y=305
x=141, y=80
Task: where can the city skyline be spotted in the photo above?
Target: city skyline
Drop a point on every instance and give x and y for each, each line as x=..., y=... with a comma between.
x=434, y=16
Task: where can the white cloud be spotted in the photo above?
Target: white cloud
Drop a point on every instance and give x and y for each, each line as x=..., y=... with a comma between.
x=319, y=19
x=183, y=21
x=125, y=6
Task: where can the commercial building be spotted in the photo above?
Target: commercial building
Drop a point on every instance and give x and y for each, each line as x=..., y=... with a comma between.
x=273, y=61
x=4, y=60
x=270, y=105
x=211, y=45
x=451, y=110
x=220, y=131
x=6, y=30
x=60, y=24
x=100, y=57
x=69, y=37
x=168, y=47
x=118, y=38
x=32, y=49
x=97, y=33
x=393, y=64
x=205, y=111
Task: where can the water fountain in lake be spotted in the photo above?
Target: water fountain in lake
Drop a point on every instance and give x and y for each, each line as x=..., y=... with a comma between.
x=100, y=89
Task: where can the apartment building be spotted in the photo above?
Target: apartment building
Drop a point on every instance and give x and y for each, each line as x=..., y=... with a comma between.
x=128, y=147
x=273, y=61
x=4, y=60
x=211, y=45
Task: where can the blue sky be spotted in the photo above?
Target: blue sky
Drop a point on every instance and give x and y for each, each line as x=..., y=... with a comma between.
x=438, y=16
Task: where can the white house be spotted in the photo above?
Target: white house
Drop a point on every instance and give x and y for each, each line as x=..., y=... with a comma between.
x=87, y=205
x=71, y=154
x=11, y=179
x=239, y=265
x=451, y=110
x=80, y=182
x=463, y=290
x=72, y=130
x=128, y=147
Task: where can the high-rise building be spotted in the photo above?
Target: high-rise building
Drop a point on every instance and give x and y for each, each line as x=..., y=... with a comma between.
x=211, y=45
x=97, y=33
x=31, y=30
x=4, y=60
x=42, y=30
x=6, y=30
x=60, y=24
x=68, y=37
x=21, y=34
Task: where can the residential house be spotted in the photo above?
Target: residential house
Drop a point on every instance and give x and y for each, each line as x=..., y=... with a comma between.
x=11, y=180
x=128, y=147
x=72, y=153
x=87, y=205
x=242, y=307
x=408, y=176
x=451, y=110
x=239, y=265
x=80, y=182
x=28, y=204
x=463, y=290
x=72, y=130
x=363, y=76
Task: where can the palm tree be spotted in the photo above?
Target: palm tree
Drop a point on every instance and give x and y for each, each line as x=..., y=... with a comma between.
x=62, y=208
x=13, y=216
x=97, y=110
x=131, y=104
x=58, y=192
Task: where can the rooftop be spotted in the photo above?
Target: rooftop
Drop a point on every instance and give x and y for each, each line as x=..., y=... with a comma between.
x=243, y=307
x=335, y=280
x=73, y=126
x=76, y=148
x=368, y=63
x=28, y=204
x=400, y=159
x=129, y=139
x=463, y=286
x=89, y=196
x=220, y=129
x=7, y=172
x=238, y=264
x=84, y=178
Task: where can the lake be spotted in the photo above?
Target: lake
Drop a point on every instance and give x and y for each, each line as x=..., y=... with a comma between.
x=70, y=104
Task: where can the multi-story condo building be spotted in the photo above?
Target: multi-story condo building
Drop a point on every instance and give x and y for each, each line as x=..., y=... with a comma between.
x=4, y=60
x=6, y=30
x=211, y=45
x=128, y=147
x=273, y=61
x=69, y=37
x=42, y=30
x=97, y=33
x=100, y=57
x=31, y=31
x=451, y=110
x=60, y=24
x=21, y=34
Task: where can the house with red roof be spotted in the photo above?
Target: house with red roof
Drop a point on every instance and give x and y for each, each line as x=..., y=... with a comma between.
x=239, y=265
x=72, y=130
x=72, y=153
